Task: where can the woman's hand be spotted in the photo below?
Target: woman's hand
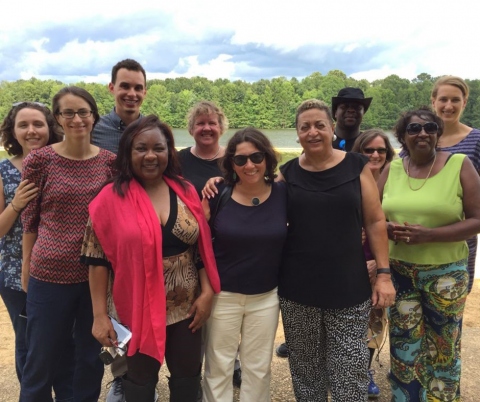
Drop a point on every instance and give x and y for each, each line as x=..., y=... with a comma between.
x=201, y=310
x=25, y=275
x=103, y=331
x=25, y=193
x=372, y=271
x=383, y=292
x=411, y=234
x=390, y=228
x=210, y=189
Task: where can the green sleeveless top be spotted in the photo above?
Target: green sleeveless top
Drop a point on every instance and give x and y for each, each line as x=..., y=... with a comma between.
x=437, y=203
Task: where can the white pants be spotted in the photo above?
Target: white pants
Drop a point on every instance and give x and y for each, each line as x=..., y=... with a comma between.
x=255, y=319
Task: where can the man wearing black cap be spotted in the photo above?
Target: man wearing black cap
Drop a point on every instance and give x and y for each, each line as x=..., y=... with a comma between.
x=348, y=108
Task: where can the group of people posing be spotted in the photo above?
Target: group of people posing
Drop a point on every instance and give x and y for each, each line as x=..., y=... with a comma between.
x=197, y=251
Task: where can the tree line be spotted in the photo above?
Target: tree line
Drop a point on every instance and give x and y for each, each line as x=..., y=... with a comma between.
x=267, y=104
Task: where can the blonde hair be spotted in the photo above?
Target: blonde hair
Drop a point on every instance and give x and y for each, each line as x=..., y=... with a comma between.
x=451, y=80
x=206, y=107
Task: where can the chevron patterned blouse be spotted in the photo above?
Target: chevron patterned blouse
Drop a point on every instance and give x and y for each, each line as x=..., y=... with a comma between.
x=60, y=212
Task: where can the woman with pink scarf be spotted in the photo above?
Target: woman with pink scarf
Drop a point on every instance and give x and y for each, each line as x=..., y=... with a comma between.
x=147, y=226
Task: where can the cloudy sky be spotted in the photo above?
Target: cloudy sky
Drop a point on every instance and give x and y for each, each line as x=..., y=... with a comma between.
x=247, y=40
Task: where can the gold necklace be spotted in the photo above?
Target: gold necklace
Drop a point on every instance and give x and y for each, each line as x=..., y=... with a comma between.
x=426, y=178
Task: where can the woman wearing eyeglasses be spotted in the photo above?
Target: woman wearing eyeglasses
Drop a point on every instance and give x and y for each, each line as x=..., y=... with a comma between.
x=249, y=225
x=68, y=175
x=432, y=202
x=374, y=144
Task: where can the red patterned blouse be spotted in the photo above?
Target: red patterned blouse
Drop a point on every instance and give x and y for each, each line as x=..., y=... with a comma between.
x=59, y=213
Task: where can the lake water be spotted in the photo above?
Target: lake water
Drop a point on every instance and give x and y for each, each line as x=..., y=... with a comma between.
x=281, y=139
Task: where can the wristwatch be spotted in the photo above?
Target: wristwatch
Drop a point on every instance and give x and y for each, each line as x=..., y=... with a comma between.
x=384, y=271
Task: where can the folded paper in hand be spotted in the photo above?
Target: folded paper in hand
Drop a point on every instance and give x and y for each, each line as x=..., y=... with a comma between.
x=123, y=336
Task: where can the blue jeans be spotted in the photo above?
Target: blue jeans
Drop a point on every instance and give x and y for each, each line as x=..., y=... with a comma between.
x=14, y=301
x=54, y=311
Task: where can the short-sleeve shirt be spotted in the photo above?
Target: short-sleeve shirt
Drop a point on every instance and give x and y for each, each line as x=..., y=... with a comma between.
x=249, y=241
x=60, y=211
x=197, y=170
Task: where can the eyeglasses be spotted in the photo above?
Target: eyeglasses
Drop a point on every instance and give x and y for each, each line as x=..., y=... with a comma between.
x=256, y=157
x=416, y=128
x=28, y=103
x=370, y=151
x=70, y=114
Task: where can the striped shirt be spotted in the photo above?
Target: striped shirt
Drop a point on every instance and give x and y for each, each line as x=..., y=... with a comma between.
x=469, y=146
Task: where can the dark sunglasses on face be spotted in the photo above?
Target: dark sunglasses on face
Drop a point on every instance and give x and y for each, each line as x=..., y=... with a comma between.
x=416, y=128
x=370, y=151
x=256, y=157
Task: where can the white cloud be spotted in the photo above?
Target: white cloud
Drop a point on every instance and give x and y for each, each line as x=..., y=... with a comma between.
x=406, y=38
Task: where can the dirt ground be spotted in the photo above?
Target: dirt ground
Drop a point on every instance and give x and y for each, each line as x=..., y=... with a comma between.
x=281, y=388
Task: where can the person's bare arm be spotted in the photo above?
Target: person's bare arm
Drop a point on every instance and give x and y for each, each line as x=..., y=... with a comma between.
x=24, y=193
x=28, y=241
x=102, y=328
x=202, y=307
x=375, y=227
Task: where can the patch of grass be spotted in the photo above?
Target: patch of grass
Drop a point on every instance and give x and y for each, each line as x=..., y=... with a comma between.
x=286, y=156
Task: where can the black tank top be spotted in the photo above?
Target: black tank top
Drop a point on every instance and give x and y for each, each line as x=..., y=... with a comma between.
x=323, y=262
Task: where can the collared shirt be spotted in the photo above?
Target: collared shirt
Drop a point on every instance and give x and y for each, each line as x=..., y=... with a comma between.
x=344, y=145
x=108, y=130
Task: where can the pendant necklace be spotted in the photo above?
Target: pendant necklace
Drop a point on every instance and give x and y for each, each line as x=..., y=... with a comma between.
x=206, y=159
x=426, y=178
x=255, y=201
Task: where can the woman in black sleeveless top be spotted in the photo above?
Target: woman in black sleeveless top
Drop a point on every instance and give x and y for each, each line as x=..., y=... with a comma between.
x=324, y=289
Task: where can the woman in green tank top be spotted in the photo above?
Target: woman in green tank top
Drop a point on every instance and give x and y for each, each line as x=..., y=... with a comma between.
x=431, y=201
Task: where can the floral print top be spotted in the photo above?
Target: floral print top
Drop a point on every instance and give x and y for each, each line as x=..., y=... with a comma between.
x=11, y=243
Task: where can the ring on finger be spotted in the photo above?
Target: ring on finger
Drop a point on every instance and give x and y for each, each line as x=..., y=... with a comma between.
x=408, y=239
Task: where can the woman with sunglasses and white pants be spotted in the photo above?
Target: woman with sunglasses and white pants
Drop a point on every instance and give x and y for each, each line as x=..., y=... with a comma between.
x=431, y=200
x=249, y=232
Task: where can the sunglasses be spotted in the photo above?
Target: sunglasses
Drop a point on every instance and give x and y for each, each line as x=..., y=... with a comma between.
x=256, y=157
x=371, y=151
x=28, y=103
x=416, y=128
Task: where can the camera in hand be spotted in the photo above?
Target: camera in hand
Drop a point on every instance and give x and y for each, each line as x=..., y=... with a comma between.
x=105, y=356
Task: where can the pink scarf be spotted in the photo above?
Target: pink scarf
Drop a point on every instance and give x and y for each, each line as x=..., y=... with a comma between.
x=129, y=231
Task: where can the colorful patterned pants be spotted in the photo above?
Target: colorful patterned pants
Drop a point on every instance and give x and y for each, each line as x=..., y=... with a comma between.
x=425, y=331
